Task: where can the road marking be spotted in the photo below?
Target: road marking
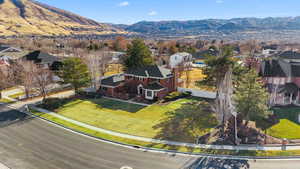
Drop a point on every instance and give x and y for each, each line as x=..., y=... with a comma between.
x=126, y=167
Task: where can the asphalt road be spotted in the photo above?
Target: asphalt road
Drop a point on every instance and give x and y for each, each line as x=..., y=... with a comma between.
x=27, y=143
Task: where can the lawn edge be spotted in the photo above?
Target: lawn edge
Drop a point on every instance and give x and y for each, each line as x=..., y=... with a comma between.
x=145, y=146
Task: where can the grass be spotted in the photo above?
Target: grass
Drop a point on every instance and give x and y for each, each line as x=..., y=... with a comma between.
x=288, y=126
x=162, y=146
x=5, y=101
x=196, y=74
x=17, y=95
x=119, y=116
x=113, y=69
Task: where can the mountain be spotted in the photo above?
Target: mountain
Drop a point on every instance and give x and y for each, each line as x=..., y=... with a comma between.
x=29, y=17
x=196, y=27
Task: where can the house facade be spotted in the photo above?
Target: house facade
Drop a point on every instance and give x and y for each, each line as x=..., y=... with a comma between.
x=282, y=78
x=181, y=59
x=145, y=83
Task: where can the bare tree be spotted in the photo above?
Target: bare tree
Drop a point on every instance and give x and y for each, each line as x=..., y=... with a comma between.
x=6, y=78
x=25, y=72
x=43, y=80
x=97, y=63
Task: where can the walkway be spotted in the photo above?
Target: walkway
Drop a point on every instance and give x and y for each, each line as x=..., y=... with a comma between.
x=126, y=101
x=156, y=141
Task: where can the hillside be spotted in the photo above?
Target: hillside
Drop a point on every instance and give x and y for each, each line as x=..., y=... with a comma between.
x=29, y=17
x=213, y=26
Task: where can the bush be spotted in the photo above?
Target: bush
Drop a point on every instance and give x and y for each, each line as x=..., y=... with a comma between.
x=177, y=95
x=54, y=103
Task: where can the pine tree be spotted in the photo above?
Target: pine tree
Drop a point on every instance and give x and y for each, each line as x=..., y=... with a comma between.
x=75, y=72
x=137, y=55
x=251, y=97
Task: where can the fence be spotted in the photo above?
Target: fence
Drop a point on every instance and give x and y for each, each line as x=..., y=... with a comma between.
x=198, y=93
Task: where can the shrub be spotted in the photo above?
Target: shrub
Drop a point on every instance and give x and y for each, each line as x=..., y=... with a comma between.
x=54, y=103
x=176, y=95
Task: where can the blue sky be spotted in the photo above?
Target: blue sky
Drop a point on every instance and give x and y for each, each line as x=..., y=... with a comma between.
x=131, y=11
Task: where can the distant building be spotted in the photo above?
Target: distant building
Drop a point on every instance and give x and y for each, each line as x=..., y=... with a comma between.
x=269, y=50
x=183, y=58
x=43, y=59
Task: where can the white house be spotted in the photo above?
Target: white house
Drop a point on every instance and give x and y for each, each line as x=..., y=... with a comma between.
x=182, y=58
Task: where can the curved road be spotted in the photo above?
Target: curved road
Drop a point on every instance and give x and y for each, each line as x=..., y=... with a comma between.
x=27, y=143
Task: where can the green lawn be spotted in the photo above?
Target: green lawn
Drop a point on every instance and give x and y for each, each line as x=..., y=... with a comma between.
x=121, y=117
x=5, y=101
x=288, y=126
x=162, y=146
x=17, y=95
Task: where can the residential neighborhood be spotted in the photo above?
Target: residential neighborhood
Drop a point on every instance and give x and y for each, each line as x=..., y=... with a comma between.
x=149, y=87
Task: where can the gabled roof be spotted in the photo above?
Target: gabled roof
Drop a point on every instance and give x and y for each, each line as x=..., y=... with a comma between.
x=203, y=54
x=41, y=57
x=271, y=47
x=152, y=71
x=154, y=86
x=4, y=48
x=112, y=80
x=289, y=55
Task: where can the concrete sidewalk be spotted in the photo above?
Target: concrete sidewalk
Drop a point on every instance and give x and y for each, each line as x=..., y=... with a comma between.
x=2, y=166
x=156, y=141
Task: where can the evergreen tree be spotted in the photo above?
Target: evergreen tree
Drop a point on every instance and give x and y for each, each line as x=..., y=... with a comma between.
x=251, y=97
x=138, y=54
x=75, y=72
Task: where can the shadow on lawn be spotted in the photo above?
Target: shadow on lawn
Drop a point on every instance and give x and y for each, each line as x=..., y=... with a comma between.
x=289, y=112
x=187, y=123
x=117, y=105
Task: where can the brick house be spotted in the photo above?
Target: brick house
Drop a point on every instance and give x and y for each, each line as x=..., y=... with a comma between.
x=145, y=83
x=281, y=75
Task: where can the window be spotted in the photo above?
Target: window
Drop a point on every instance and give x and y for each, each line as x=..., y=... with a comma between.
x=149, y=93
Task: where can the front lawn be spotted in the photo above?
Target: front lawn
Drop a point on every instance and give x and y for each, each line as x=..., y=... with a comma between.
x=123, y=117
x=288, y=126
x=5, y=101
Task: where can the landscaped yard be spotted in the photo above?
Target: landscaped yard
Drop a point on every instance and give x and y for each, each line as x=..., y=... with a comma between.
x=123, y=117
x=288, y=127
x=195, y=75
x=5, y=101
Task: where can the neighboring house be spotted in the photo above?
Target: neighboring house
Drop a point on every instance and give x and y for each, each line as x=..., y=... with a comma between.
x=181, y=59
x=282, y=78
x=44, y=59
x=4, y=61
x=11, y=53
x=144, y=83
x=7, y=48
x=202, y=54
x=116, y=56
x=269, y=50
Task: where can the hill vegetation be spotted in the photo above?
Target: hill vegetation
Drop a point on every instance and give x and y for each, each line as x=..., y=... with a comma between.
x=29, y=17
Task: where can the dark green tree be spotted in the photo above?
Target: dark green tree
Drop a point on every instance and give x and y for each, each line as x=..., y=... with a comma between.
x=217, y=66
x=75, y=72
x=138, y=54
x=251, y=97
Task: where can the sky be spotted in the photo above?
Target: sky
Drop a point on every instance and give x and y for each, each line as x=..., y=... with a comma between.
x=132, y=11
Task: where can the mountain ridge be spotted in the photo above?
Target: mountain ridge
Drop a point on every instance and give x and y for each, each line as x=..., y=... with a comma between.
x=194, y=27
x=30, y=17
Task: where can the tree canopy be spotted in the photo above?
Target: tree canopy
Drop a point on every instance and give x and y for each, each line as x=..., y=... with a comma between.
x=251, y=97
x=138, y=54
x=75, y=72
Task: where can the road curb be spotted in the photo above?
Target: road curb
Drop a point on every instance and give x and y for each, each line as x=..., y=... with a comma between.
x=162, y=151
